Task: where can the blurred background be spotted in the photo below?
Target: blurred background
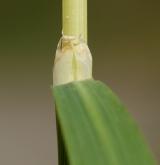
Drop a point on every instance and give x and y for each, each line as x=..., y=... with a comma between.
x=124, y=37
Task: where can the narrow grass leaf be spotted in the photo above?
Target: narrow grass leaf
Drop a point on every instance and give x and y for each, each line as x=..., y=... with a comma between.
x=95, y=128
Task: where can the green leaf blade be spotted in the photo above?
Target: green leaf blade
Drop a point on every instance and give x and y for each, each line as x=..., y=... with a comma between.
x=96, y=128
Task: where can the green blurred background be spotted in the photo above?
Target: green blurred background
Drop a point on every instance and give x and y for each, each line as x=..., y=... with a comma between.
x=124, y=37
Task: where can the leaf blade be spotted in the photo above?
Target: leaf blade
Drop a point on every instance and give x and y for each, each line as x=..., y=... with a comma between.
x=96, y=127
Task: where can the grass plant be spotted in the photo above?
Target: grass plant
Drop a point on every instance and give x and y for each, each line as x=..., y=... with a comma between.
x=93, y=126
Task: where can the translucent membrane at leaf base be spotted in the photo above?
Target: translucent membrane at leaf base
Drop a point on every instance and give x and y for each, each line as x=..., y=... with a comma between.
x=73, y=61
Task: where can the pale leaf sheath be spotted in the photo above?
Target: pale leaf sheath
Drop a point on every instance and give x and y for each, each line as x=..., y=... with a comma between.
x=73, y=61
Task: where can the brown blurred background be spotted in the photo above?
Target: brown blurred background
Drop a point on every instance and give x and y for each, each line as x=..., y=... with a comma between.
x=124, y=37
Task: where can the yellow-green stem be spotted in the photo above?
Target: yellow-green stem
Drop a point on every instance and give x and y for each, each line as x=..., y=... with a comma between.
x=75, y=18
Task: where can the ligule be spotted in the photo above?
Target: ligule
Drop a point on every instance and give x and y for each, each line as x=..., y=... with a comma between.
x=73, y=61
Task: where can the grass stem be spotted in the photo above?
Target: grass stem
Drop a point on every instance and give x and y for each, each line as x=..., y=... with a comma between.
x=75, y=18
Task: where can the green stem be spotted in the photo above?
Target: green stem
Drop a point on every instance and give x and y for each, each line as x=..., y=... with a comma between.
x=74, y=25
x=75, y=18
